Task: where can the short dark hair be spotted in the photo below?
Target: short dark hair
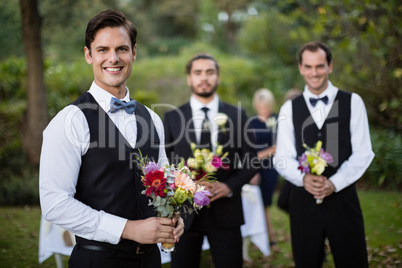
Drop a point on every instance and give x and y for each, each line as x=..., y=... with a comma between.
x=314, y=46
x=203, y=56
x=109, y=18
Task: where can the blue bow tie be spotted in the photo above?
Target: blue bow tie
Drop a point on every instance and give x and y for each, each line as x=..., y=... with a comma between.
x=314, y=101
x=116, y=104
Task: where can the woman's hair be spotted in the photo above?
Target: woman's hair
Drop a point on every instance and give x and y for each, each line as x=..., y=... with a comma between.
x=109, y=18
x=264, y=96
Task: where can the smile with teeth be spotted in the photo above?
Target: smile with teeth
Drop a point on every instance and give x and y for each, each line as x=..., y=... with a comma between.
x=113, y=69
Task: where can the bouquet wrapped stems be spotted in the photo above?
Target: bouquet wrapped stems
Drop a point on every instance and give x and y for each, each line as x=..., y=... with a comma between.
x=169, y=247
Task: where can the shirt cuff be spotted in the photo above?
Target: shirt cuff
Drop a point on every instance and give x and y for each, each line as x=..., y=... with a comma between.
x=110, y=228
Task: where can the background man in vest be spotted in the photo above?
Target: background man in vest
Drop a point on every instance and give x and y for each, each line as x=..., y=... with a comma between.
x=221, y=220
x=339, y=120
x=90, y=183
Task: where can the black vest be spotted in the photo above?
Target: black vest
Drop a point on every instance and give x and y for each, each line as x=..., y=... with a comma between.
x=109, y=178
x=334, y=134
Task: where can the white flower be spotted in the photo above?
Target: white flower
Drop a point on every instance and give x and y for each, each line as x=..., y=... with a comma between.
x=221, y=119
x=271, y=122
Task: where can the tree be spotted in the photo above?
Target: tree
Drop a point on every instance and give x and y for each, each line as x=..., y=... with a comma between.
x=35, y=119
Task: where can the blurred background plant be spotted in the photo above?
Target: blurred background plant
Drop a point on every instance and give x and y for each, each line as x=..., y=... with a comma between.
x=255, y=42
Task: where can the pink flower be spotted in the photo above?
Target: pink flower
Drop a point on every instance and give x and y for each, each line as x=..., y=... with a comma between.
x=216, y=161
x=172, y=185
x=185, y=182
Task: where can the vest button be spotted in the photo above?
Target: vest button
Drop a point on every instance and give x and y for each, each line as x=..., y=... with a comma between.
x=141, y=213
x=139, y=193
x=319, y=134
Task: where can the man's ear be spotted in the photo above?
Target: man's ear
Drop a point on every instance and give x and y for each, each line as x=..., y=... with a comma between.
x=88, y=56
x=330, y=68
x=134, y=52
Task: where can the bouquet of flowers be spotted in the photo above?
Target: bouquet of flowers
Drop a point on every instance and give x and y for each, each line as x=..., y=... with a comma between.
x=205, y=163
x=314, y=161
x=169, y=187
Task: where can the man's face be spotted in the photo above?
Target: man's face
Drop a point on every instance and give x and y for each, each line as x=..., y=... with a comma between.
x=315, y=70
x=112, y=57
x=203, y=78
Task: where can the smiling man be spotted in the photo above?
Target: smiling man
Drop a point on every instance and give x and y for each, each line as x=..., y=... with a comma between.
x=88, y=183
x=337, y=118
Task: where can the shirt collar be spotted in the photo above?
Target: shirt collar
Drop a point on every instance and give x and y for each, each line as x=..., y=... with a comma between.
x=196, y=105
x=103, y=97
x=330, y=92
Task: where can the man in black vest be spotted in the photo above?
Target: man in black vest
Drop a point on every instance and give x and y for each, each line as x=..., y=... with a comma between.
x=337, y=118
x=90, y=182
x=221, y=220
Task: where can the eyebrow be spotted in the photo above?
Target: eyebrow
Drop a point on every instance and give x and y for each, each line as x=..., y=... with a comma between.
x=207, y=70
x=122, y=46
x=308, y=65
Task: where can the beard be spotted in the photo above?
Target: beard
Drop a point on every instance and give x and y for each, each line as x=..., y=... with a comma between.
x=205, y=94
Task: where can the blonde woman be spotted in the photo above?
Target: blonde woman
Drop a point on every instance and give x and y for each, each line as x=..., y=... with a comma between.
x=264, y=125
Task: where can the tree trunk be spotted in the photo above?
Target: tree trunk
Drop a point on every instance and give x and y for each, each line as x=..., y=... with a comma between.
x=35, y=119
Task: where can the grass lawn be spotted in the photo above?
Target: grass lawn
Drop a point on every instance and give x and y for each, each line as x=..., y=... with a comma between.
x=19, y=234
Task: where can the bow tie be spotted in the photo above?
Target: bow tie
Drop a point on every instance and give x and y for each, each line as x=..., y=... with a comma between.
x=314, y=101
x=116, y=104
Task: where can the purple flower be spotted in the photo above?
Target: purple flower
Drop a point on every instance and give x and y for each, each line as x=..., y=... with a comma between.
x=326, y=156
x=151, y=166
x=201, y=198
x=304, y=165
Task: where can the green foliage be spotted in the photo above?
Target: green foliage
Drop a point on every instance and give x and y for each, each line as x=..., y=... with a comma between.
x=64, y=23
x=272, y=34
x=66, y=82
x=12, y=79
x=10, y=30
x=386, y=167
x=12, y=106
x=20, y=190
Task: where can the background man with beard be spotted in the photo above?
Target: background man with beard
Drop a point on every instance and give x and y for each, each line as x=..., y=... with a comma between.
x=220, y=221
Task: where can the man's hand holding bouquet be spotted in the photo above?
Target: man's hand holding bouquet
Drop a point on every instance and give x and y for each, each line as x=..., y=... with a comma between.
x=313, y=162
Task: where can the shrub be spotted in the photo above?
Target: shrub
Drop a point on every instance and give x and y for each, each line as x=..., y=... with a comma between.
x=20, y=190
x=386, y=169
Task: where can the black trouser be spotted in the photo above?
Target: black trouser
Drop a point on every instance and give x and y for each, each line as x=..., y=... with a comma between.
x=87, y=258
x=339, y=218
x=225, y=244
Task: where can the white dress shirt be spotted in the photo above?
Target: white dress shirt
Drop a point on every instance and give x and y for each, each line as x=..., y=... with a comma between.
x=65, y=141
x=285, y=159
x=199, y=116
